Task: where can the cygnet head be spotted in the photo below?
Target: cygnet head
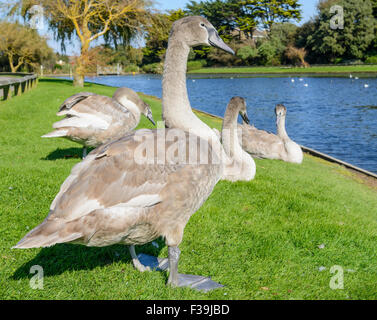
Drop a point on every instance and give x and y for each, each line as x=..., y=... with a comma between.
x=131, y=100
x=196, y=31
x=280, y=111
x=237, y=105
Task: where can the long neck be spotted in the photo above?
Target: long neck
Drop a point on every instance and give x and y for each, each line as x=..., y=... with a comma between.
x=174, y=90
x=243, y=166
x=229, y=135
x=282, y=133
x=176, y=108
x=130, y=106
x=135, y=112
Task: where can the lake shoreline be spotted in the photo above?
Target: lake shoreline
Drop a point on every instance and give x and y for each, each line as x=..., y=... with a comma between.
x=328, y=71
x=320, y=108
x=282, y=75
x=369, y=178
x=361, y=75
x=363, y=71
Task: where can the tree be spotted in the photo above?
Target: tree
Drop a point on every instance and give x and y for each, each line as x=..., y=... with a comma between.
x=90, y=20
x=374, y=5
x=270, y=52
x=264, y=13
x=246, y=15
x=302, y=36
x=237, y=18
x=373, y=47
x=351, y=42
x=157, y=35
x=285, y=32
x=273, y=11
x=22, y=46
x=221, y=13
x=125, y=55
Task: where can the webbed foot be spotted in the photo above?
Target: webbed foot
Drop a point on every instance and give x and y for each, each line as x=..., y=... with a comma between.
x=199, y=283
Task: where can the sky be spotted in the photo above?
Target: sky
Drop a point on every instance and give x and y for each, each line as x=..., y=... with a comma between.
x=308, y=7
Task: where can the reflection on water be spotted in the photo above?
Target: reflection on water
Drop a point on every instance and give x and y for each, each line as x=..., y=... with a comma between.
x=337, y=116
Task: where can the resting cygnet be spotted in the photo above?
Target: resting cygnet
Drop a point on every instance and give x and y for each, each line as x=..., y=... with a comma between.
x=92, y=119
x=262, y=144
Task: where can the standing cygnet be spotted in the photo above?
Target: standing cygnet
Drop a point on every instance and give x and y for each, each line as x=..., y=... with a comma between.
x=174, y=89
x=93, y=120
x=243, y=164
x=263, y=144
x=127, y=192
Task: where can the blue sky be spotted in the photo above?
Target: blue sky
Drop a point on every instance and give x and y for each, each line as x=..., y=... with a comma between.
x=308, y=11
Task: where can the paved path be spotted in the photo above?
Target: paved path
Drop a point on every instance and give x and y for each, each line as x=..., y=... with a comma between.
x=7, y=78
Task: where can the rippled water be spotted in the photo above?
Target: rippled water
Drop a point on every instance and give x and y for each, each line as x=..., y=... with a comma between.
x=337, y=116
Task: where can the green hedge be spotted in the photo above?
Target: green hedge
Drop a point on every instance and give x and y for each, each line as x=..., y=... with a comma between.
x=131, y=68
x=196, y=65
x=371, y=60
x=153, y=68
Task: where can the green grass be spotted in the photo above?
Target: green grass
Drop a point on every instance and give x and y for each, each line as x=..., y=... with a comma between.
x=260, y=239
x=9, y=76
x=286, y=70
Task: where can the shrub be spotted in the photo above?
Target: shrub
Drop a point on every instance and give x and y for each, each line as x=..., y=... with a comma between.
x=195, y=65
x=153, y=68
x=338, y=60
x=218, y=57
x=371, y=60
x=248, y=54
x=192, y=55
x=356, y=62
x=131, y=68
x=267, y=52
x=296, y=56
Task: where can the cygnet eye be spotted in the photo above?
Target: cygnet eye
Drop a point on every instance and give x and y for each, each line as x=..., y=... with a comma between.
x=202, y=24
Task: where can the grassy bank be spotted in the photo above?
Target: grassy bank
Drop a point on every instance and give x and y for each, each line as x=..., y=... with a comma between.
x=266, y=239
x=286, y=70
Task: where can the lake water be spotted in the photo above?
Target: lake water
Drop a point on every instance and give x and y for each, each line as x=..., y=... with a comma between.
x=337, y=116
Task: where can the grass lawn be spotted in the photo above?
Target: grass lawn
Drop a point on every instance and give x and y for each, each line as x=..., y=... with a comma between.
x=262, y=239
x=284, y=70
